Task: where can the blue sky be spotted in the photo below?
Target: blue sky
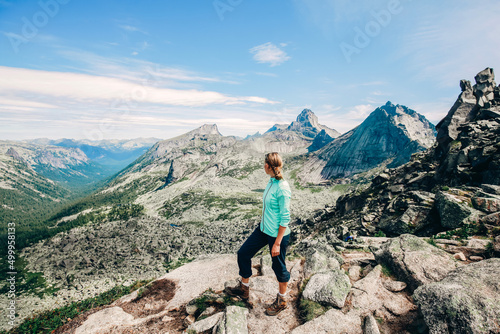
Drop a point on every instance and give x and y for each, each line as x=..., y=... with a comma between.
x=125, y=69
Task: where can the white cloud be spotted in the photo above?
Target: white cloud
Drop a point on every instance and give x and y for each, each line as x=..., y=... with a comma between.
x=266, y=74
x=269, y=53
x=100, y=89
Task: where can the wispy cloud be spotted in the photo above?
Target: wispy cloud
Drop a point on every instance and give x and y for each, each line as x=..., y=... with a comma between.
x=131, y=28
x=266, y=74
x=446, y=45
x=269, y=53
x=360, y=111
x=84, y=87
x=136, y=70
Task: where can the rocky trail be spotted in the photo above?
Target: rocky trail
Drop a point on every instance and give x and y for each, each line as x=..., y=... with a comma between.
x=391, y=286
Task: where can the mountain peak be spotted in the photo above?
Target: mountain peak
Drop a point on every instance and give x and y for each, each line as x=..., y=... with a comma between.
x=307, y=117
x=307, y=124
x=206, y=129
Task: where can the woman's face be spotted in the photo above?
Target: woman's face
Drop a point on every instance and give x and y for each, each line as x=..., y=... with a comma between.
x=267, y=169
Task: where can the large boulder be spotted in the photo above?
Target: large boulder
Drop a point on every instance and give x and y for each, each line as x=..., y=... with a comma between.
x=466, y=301
x=453, y=209
x=414, y=218
x=330, y=287
x=318, y=262
x=414, y=261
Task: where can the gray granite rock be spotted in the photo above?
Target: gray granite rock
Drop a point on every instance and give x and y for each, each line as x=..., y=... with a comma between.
x=414, y=261
x=466, y=301
x=330, y=287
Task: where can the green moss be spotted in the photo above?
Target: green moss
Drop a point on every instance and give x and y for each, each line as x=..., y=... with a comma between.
x=386, y=271
x=308, y=310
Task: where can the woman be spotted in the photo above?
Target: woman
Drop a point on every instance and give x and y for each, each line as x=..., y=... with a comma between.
x=273, y=231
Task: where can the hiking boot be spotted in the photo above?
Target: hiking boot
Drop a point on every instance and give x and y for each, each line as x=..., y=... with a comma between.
x=276, y=307
x=238, y=291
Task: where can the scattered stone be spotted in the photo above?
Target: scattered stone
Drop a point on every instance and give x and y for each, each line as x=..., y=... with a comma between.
x=205, y=324
x=208, y=312
x=489, y=205
x=371, y=326
x=476, y=258
x=491, y=219
x=329, y=287
x=466, y=301
x=189, y=320
x=191, y=309
x=496, y=244
x=354, y=273
x=460, y=256
x=447, y=242
x=394, y=286
x=167, y=319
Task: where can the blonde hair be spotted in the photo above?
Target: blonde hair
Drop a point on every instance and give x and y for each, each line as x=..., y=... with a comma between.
x=274, y=161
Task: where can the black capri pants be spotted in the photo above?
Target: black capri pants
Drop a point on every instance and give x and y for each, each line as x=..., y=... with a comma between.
x=253, y=244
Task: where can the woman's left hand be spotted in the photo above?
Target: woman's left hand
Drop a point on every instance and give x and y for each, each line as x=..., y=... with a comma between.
x=275, y=251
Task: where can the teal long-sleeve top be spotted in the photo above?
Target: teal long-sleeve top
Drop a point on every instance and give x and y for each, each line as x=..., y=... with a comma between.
x=276, y=207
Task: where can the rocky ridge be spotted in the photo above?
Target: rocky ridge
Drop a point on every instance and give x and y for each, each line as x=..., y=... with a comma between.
x=451, y=185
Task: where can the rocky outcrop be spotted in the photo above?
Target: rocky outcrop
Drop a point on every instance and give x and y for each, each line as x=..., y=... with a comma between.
x=11, y=152
x=415, y=261
x=466, y=301
x=451, y=184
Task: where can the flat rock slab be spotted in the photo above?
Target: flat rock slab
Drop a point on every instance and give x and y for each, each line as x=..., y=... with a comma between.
x=194, y=278
x=369, y=295
x=105, y=320
x=466, y=301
